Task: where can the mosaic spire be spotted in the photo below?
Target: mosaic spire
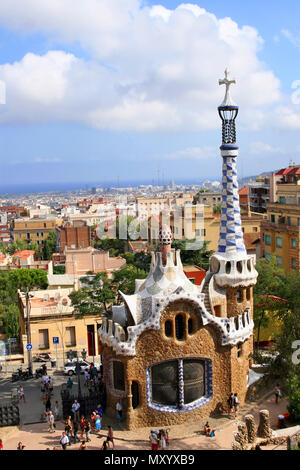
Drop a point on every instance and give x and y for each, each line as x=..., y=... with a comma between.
x=231, y=242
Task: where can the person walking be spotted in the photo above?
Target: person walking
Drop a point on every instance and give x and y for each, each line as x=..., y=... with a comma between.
x=21, y=394
x=153, y=440
x=56, y=411
x=68, y=429
x=230, y=402
x=87, y=429
x=82, y=426
x=1, y=444
x=277, y=394
x=51, y=422
x=235, y=404
x=75, y=411
x=47, y=403
x=64, y=440
x=69, y=384
x=119, y=409
x=98, y=423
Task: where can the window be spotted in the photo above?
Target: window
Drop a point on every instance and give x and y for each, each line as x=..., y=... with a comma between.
x=268, y=240
x=289, y=221
x=268, y=256
x=190, y=326
x=273, y=218
x=179, y=327
x=279, y=242
x=239, y=296
x=70, y=336
x=293, y=243
x=293, y=263
x=239, y=349
x=119, y=376
x=168, y=328
x=255, y=229
x=279, y=260
x=177, y=383
x=281, y=200
x=43, y=339
x=135, y=394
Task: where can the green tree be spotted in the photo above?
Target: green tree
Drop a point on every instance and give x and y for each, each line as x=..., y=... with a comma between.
x=49, y=246
x=293, y=387
x=59, y=269
x=11, y=321
x=267, y=288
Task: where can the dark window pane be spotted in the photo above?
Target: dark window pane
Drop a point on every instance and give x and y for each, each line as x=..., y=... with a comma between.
x=168, y=328
x=179, y=327
x=164, y=383
x=135, y=394
x=194, y=379
x=118, y=371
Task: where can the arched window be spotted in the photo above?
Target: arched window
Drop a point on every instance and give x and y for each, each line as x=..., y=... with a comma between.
x=190, y=326
x=135, y=394
x=168, y=328
x=179, y=327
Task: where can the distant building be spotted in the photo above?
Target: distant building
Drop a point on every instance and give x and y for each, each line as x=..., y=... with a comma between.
x=244, y=198
x=52, y=315
x=195, y=274
x=84, y=260
x=281, y=230
x=209, y=198
x=73, y=237
x=34, y=230
x=262, y=192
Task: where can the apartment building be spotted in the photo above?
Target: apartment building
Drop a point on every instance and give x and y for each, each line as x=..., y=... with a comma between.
x=262, y=192
x=155, y=205
x=73, y=236
x=81, y=261
x=34, y=230
x=52, y=316
x=280, y=232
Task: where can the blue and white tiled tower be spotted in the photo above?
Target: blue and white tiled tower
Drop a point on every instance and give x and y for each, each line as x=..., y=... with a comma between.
x=231, y=264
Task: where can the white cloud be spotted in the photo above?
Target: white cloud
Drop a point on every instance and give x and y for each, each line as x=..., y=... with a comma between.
x=258, y=148
x=294, y=40
x=149, y=68
x=194, y=153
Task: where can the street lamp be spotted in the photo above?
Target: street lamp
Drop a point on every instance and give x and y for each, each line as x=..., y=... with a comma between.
x=28, y=308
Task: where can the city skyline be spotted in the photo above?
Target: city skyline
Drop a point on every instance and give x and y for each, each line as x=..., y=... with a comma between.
x=129, y=90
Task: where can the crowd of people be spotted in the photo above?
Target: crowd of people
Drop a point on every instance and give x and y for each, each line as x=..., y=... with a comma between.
x=159, y=438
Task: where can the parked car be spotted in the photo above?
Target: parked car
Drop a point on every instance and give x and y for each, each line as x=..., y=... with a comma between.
x=70, y=366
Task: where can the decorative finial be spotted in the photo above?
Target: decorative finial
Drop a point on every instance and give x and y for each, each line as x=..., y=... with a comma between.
x=228, y=101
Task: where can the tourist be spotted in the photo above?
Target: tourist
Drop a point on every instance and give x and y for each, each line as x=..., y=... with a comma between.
x=87, y=377
x=47, y=403
x=235, y=404
x=21, y=393
x=87, y=429
x=98, y=423
x=110, y=436
x=82, y=426
x=277, y=394
x=56, y=411
x=207, y=429
x=69, y=384
x=50, y=384
x=230, y=402
x=75, y=410
x=68, y=429
x=162, y=440
x=153, y=440
x=83, y=446
x=119, y=409
x=64, y=440
x=1, y=444
x=51, y=422
x=21, y=446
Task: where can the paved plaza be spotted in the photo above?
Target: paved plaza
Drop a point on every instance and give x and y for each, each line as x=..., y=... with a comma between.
x=182, y=437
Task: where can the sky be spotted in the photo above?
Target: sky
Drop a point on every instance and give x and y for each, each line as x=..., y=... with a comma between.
x=100, y=91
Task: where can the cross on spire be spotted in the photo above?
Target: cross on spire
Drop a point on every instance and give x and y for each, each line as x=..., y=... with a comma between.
x=227, y=82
